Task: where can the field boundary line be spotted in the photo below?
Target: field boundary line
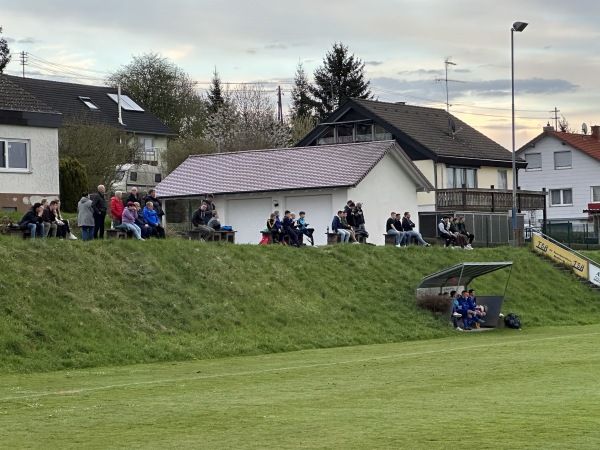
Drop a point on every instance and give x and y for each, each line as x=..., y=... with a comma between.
x=167, y=381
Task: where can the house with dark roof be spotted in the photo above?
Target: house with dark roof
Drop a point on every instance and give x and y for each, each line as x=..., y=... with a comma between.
x=567, y=165
x=469, y=171
x=104, y=105
x=319, y=180
x=28, y=148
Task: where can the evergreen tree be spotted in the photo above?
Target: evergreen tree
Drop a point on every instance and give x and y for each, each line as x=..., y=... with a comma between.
x=339, y=78
x=215, y=93
x=302, y=103
x=73, y=181
x=4, y=53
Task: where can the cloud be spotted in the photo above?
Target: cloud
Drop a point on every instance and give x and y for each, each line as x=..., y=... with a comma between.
x=373, y=63
x=421, y=72
x=276, y=46
x=252, y=51
x=28, y=40
x=462, y=70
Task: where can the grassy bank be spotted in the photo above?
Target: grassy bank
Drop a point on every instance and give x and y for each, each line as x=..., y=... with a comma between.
x=67, y=304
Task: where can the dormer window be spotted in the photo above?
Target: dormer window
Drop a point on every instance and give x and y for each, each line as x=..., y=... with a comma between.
x=89, y=103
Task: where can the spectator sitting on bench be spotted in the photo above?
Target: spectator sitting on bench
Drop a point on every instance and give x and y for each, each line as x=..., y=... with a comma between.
x=63, y=230
x=49, y=219
x=153, y=220
x=460, y=239
x=130, y=214
x=303, y=227
x=145, y=229
x=462, y=229
x=290, y=229
x=336, y=227
x=477, y=311
x=463, y=309
x=210, y=208
x=276, y=232
x=214, y=222
x=444, y=233
x=116, y=208
x=346, y=226
x=390, y=228
x=151, y=197
x=408, y=227
x=85, y=217
x=32, y=221
x=198, y=220
x=455, y=307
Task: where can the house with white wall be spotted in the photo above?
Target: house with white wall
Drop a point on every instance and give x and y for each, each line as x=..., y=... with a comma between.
x=100, y=104
x=28, y=148
x=250, y=185
x=567, y=165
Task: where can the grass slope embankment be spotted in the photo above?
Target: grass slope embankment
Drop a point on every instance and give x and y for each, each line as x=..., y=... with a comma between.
x=68, y=304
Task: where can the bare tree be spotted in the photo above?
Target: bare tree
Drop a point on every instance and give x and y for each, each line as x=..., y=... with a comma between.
x=4, y=53
x=563, y=125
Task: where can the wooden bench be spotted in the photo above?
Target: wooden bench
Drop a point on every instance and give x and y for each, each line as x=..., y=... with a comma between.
x=224, y=236
x=390, y=239
x=114, y=233
x=334, y=238
x=17, y=232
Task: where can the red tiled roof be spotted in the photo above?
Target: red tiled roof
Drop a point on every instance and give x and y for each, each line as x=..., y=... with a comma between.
x=590, y=145
x=279, y=169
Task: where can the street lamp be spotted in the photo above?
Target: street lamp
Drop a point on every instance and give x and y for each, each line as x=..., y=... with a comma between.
x=517, y=26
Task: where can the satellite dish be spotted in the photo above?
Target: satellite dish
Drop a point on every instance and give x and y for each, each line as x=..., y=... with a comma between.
x=584, y=128
x=452, y=125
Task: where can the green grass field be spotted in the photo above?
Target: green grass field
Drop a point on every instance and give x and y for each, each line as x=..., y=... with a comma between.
x=508, y=389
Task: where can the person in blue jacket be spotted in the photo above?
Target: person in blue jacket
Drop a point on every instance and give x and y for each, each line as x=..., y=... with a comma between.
x=152, y=218
x=290, y=229
x=336, y=227
x=303, y=227
x=477, y=311
x=463, y=309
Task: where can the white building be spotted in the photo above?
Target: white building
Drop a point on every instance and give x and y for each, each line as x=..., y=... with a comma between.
x=250, y=185
x=567, y=165
x=28, y=148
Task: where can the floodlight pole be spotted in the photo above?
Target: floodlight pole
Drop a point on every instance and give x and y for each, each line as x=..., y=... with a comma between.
x=517, y=26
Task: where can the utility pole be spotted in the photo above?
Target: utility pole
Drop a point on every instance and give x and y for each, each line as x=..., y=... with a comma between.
x=555, y=111
x=23, y=59
x=279, y=107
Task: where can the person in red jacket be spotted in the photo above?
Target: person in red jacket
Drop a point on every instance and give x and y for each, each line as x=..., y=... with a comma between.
x=116, y=208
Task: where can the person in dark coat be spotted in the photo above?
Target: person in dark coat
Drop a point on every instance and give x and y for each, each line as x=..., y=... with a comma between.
x=133, y=197
x=32, y=221
x=99, y=208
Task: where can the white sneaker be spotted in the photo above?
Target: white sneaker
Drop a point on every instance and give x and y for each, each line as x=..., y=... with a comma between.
x=356, y=242
x=456, y=314
x=469, y=247
x=397, y=245
x=458, y=329
x=72, y=237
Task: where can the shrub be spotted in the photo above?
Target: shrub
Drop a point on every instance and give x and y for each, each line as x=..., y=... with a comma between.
x=437, y=304
x=73, y=181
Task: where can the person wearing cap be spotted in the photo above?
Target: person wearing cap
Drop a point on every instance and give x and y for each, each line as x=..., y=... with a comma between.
x=130, y=214
x=32, y=221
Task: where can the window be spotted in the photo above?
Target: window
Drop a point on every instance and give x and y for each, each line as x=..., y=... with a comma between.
x=132, y=176
x=595, y=194
x=364, y=132
x=14, y=155
x=89, y=103
x=534, y=161
x=560, y=197
x=345, y=133
x=328, y=137
x=9, y=209
x=502, y=179
x=147, y=149
x=562, y=160
x=458, y=177
x=126, y=102
x=157, y=177
x=381, y=134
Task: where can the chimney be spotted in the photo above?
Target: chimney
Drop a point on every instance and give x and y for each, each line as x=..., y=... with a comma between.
x=596, y=131
x=548, y=127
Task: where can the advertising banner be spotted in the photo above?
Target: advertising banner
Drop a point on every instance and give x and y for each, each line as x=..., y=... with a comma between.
x=594, y=274
x=559, y=254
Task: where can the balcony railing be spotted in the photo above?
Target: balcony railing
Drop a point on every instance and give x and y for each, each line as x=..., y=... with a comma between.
x=491, y=200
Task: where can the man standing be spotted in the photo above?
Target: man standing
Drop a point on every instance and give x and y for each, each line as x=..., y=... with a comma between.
x=408, y=228
x=210, y=207
x=133, y=196
x=99, y=208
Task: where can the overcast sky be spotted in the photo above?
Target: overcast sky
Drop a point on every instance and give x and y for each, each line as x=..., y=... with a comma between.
x=403, y=43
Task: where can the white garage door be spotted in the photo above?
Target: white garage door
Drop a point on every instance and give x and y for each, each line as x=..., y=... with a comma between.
x=319, y=213
x=248, y=217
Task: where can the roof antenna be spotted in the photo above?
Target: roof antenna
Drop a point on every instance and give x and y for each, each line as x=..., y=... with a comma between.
x=448, y=62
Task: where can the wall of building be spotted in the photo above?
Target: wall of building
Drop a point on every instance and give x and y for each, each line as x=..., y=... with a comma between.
x=580, y=177
x=426, y=200
x=21, y=189
x=386, y=188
